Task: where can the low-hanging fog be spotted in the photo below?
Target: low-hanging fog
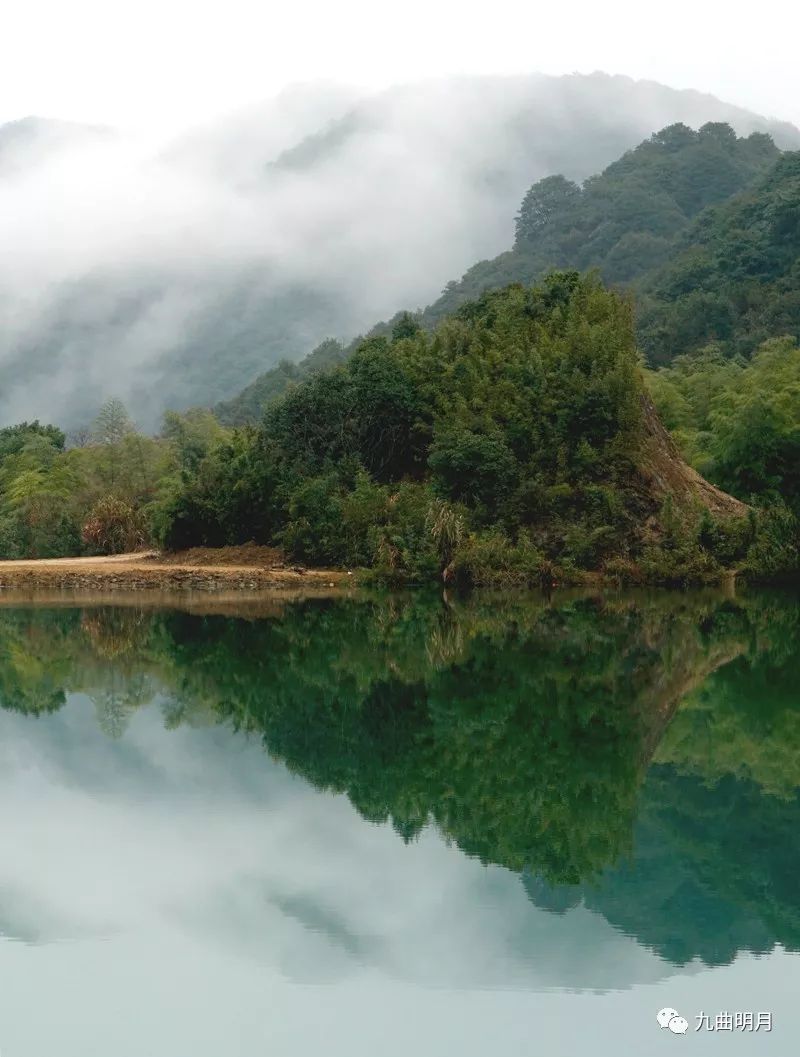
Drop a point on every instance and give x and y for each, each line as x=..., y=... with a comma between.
x=171, y=274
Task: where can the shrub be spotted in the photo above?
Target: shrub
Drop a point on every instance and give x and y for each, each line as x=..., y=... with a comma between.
x=406, y=548
x=314, y=531
x=113, y=527
x=623, y=571
x=678, y=565
x=727, y=541
x=776, y=546
x=490, y=559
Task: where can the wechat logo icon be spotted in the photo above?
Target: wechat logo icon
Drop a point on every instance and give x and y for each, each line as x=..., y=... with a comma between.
x=671, y=1018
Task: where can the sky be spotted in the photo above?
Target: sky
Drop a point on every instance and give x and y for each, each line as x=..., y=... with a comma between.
x=163, y=65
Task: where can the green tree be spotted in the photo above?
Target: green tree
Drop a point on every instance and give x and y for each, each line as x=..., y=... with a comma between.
x=550, y=202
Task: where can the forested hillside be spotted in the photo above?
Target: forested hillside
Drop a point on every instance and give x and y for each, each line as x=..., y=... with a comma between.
x=704, y=227
x=511, y=437
x=735, y=279
x=248, y=405
x=514, y=443
x=716, y=285
x=648, y=222
x=627, y=220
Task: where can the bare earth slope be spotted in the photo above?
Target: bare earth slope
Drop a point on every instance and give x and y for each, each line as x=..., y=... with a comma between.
x=666, y=473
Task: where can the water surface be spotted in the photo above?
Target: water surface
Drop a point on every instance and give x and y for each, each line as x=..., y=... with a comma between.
x=400, y=826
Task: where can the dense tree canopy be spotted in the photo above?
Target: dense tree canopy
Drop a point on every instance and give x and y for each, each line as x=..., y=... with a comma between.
x=512, y=410
x=509, y=441
x=736, y=277
x=627, y=220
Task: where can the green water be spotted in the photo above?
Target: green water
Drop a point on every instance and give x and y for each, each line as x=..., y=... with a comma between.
x=400, y=826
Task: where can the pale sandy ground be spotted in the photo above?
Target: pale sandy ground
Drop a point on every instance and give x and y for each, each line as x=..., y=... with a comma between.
x=141, y=559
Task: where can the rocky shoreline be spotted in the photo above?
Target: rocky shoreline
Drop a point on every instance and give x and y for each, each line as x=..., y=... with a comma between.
x=228, y=569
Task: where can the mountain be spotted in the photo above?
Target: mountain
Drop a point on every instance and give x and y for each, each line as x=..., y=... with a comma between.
x=238, y=147
x=174, y=278
x=516, y=444
x=627, y=220
x=524, y=118
x=644, y=210
x=735, y=278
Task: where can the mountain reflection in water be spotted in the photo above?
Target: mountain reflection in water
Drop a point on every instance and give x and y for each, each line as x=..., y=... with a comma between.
x=637, y=755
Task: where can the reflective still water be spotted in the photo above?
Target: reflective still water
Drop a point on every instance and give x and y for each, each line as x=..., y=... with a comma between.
x=400, y=826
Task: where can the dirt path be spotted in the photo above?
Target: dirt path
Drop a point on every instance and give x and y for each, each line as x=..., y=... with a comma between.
x=138, y=559
x=202, y=569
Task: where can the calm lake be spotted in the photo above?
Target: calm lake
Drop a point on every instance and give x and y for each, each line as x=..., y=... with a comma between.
x=401, y=827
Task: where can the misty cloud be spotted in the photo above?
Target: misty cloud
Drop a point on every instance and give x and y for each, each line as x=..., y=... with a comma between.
x=172, y=274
